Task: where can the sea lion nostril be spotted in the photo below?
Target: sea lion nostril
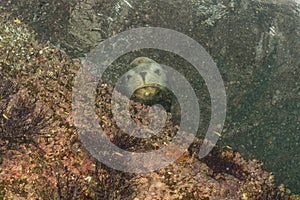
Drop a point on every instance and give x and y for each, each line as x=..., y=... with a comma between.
x=143, y=74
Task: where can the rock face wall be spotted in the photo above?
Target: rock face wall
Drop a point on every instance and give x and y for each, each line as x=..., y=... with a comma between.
x=255, y=44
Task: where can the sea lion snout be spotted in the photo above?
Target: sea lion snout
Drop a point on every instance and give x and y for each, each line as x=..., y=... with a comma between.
x=143, y=74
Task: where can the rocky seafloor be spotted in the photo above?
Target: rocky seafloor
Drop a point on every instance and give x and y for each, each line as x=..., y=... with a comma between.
x=43, y=158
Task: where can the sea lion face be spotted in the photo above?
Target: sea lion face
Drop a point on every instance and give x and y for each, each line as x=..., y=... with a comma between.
x=145, y=81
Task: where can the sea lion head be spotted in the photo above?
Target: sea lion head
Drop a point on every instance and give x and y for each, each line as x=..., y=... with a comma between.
x=145, y=81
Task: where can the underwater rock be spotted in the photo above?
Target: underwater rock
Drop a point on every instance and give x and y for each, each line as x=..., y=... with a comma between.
x=254, y=43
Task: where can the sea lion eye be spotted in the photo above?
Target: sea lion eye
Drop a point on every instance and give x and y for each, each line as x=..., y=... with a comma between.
x=128, y=77
x=157, y=71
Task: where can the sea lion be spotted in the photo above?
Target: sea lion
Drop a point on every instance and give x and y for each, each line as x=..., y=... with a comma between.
x=146, y=82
